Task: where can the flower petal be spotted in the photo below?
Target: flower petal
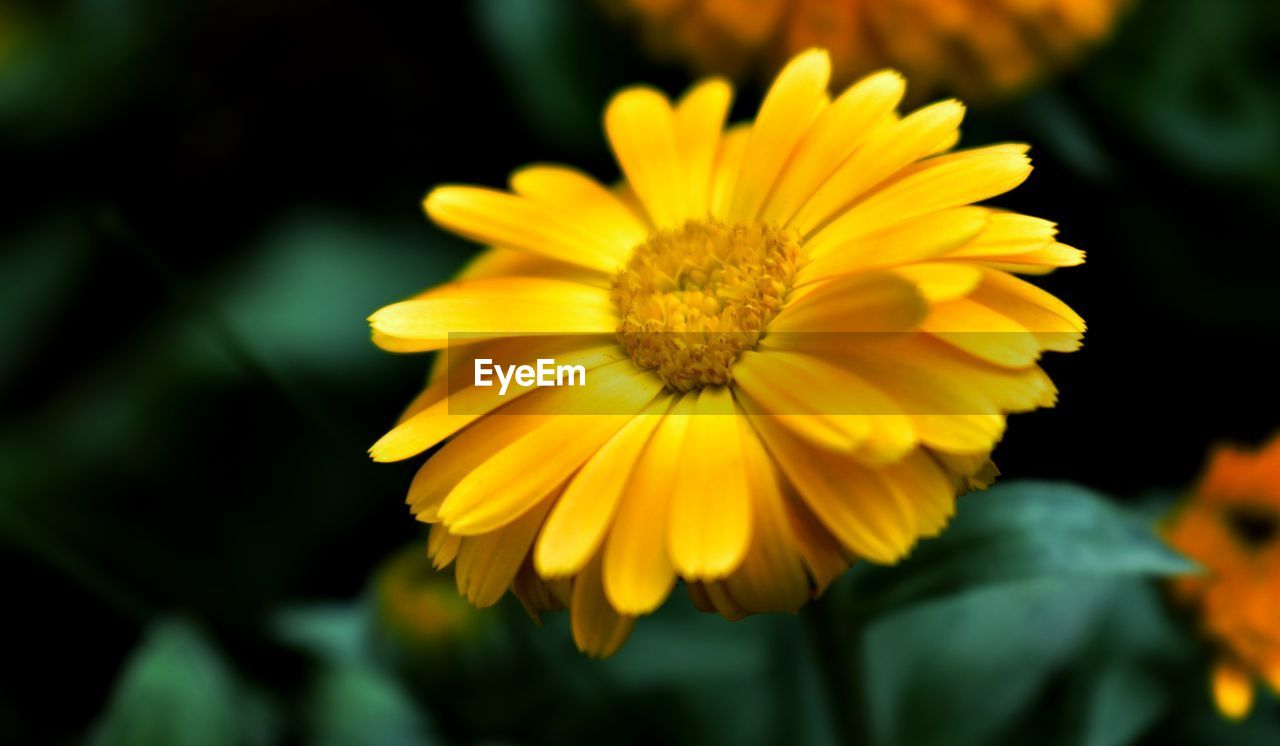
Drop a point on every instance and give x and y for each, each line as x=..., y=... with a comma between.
x=829, y=407
x=941, y=281
x=1042, y=261
x=948, y=410
x=920, y=479
x=638, y=575
x=496, y=261
x=797, y=96
x=592, y=206
x=699, y=121
x=1055, y=326
x=838, y=131
x=446, y=414
x=733, y=146
x=710, y=527
x=867, y=302
x=492, y=217
x=499, y=307
x=851, y=501
x=488, y=564
x=598, y=630
x=1006, y=234
x=442, y=546
x=581, y=517
x=983, y=332
x=530, y=468
x=641, y=129
x=889, y=151
x=465, y=452
x=772, y=576
x=824, y=558
x=939, y=183
x=1232, y=689
x=926, y=237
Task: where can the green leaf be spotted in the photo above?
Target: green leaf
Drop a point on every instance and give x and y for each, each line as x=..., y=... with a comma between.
x=960, y=670
x=335, y=633
x=300, y=299
x=966, y=640
x=1020, y=531
x=1183, y=75
x=176, y=690
x=1078, y=661
x=38, y=274
x=1121, y=686
x=352, y=705
x=1125, y=699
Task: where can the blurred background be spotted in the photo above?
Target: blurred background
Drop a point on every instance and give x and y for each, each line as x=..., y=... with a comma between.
x=203, y=202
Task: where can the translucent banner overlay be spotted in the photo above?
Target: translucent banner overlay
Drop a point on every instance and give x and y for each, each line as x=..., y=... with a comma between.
x=781, y=373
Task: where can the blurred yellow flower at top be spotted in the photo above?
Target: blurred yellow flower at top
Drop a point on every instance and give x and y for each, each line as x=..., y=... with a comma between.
x=12, y=27
x=1231, y=526
x=802, y=339
x=975, y=48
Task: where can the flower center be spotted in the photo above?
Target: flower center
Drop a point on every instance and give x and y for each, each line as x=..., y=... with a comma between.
x=693, y=298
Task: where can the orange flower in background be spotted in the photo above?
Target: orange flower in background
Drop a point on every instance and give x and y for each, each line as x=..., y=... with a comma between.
x=976, y=48
x=1231, y=526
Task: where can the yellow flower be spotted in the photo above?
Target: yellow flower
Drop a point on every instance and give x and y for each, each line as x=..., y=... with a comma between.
x=731, y=272
x=972, y=47
x=1231, y=526
x=415, y=604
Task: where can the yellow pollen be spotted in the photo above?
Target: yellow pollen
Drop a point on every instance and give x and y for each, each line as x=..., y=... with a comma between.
x=693, y=298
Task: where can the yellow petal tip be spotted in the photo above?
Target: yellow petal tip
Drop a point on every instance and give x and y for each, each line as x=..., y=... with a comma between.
x=1232, y=690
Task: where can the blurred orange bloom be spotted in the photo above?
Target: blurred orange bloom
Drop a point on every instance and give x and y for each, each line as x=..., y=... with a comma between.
x=976, y=48
x=1231, y=526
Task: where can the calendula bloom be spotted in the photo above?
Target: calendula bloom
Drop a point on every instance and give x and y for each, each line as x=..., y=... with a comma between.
x=801, y=339
x=972, y=47
x=1230, y=525
x=417, y=606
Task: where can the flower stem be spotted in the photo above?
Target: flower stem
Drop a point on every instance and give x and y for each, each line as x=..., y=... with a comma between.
x=838, y=659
